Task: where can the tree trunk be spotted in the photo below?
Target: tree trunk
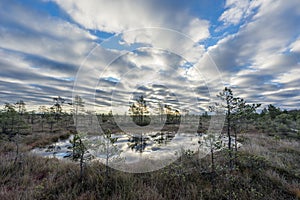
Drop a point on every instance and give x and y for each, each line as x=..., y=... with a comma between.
x=235, y=143
x=107, y=157
x=228, y=134
x=17, y=150
x=51, y=127
x=213, y=170
x=81, y=167
x=42, y=125
x=81, y=160
x=212, y=161
x=12, y=124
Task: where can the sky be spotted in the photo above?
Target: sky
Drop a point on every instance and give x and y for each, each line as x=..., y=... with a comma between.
x=179, y=53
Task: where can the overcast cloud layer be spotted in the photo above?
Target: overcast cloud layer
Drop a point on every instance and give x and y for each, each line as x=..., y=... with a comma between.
x=254, y=44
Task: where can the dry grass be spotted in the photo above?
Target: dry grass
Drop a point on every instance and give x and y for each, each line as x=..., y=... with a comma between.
x=282, y=157
x=267, y=168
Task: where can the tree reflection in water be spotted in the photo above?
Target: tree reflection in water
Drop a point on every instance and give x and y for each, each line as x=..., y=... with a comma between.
x=140, y=142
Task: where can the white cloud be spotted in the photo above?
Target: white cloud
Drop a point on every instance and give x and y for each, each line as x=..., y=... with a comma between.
x=122, y=15
x=36, y=86
x=40, y=54
x=295, y=46
x=291, y=76
x=33, y=33
x=260, y=58
x=236, y=11
x=197, y=29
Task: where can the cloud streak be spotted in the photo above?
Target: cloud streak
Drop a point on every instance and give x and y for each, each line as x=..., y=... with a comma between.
x=257, y=52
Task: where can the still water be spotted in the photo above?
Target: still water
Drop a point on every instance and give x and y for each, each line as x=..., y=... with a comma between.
x=131, y=148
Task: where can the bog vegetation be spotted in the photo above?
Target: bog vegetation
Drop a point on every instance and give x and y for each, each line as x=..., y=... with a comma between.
x=265, y=166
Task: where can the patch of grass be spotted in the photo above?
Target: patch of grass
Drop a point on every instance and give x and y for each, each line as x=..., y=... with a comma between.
x=265, y=169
